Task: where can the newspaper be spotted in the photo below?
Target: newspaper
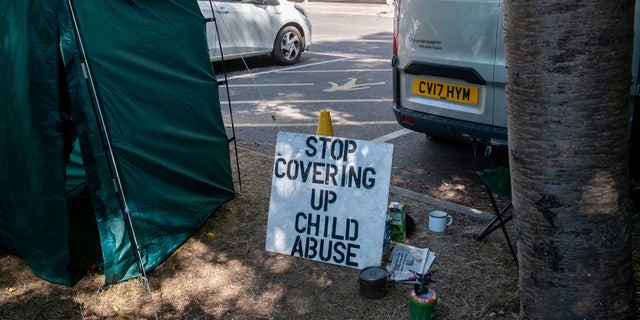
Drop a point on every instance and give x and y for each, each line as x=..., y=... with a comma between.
x=405, y=258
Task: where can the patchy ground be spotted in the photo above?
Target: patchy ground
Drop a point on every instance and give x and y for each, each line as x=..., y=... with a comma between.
x=223, y=272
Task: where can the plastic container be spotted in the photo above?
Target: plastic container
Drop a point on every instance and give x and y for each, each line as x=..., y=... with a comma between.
x=386, y=244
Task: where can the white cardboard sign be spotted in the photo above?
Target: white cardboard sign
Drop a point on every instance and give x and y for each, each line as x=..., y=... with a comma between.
x=329, y=199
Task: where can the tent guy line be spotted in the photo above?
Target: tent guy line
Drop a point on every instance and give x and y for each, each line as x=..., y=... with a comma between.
x=272, y=85
x=249, y=75
x=294, y=69
x=335, y=70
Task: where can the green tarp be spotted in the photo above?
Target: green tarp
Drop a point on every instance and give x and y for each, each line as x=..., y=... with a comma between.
x=147, y=118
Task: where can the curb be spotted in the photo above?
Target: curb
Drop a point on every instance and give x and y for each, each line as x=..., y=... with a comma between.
x=447, y=206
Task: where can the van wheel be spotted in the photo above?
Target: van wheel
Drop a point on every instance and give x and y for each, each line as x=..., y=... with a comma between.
x=287, y=48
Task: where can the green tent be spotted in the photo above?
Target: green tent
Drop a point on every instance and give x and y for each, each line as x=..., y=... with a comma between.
x=129, y=86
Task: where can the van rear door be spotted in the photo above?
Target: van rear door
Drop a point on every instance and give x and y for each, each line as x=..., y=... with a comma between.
x=449, y=60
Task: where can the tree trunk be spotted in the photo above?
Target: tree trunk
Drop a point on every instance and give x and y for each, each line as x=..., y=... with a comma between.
x=568, y=82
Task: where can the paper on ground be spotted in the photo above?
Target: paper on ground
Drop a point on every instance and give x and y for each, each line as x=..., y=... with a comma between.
x=405, y=258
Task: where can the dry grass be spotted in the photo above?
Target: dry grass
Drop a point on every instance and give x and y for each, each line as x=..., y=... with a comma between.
x=223, y=272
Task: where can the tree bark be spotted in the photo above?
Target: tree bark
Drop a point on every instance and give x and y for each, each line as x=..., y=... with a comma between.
x=568, y=68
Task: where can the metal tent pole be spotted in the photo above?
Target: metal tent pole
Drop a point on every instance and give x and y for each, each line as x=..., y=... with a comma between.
x=113, y=167
x=226, y=84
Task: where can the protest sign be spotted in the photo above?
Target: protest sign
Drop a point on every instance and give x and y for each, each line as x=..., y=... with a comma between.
x=329, y=198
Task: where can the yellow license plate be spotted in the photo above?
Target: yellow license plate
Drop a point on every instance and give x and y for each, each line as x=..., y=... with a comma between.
x=445, y=91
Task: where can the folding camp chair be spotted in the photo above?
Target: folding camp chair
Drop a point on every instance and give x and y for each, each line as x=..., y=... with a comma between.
x=497, y=181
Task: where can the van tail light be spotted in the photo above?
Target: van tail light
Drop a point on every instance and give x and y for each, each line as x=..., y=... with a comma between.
x=396, y=26
x=408, y=120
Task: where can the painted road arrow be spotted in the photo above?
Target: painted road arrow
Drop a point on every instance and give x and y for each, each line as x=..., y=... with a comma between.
x=351, y=86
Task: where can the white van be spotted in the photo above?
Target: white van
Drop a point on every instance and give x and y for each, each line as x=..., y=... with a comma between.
x=449, y=69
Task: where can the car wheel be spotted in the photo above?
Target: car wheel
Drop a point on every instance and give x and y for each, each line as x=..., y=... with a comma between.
x=288, y=46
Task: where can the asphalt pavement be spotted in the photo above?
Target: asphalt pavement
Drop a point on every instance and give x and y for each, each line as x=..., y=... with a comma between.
x=380, y=7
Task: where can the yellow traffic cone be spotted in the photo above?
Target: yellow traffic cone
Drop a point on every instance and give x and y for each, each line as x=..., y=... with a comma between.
x=324, y=124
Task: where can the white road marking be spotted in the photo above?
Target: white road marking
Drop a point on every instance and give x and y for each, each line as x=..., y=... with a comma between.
x=351, y=85
x=336, y=70
x=272, y=85
x=393, y=135
x=309, y=124
x=353, y=56
x=260, y=102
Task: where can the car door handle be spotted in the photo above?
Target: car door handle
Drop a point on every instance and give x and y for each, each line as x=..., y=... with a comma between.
x=222, y=10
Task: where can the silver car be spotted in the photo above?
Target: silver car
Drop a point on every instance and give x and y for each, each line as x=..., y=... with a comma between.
x=249, y=28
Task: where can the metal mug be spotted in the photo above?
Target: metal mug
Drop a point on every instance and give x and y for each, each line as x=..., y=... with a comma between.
x=439, y=220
